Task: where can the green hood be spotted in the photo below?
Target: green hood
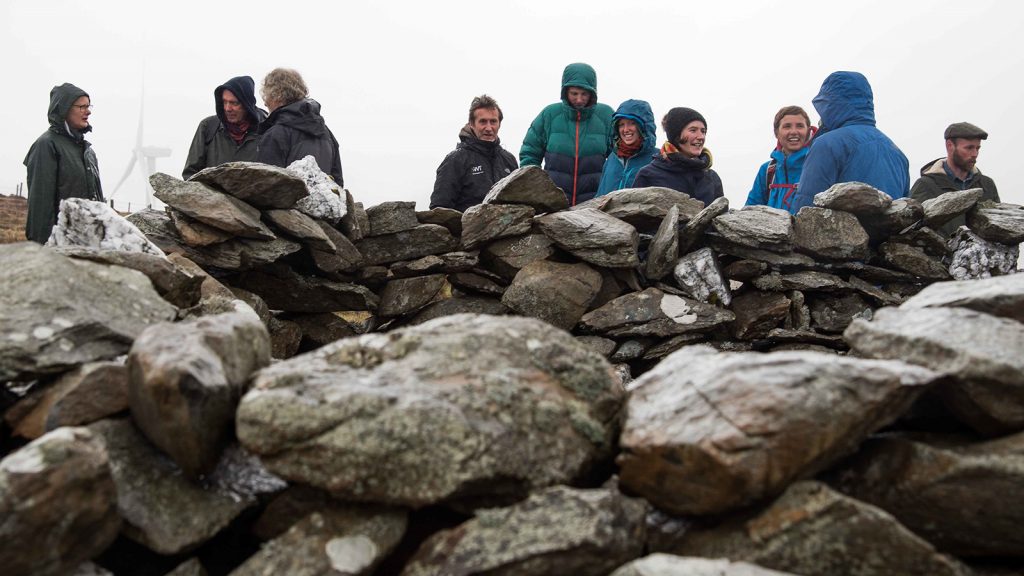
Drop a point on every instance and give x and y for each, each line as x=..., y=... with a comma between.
x=579, y=75
x=61, y=99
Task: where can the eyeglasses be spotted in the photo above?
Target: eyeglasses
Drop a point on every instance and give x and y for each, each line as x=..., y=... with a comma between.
x=82, y=107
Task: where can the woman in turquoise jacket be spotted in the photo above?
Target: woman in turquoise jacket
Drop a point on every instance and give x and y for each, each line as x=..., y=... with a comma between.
x=777, y=179
x=634, y=145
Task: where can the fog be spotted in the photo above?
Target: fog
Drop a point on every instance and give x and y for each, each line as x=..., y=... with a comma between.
x=395, y=79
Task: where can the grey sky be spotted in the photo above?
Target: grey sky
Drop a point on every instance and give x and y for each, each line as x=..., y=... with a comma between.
x=395, y=79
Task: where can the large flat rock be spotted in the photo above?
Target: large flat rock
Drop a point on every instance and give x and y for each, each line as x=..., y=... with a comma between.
x=593, y=236
x=260, y=185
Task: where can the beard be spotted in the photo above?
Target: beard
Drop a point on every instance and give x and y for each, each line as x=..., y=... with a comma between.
x=962, y=162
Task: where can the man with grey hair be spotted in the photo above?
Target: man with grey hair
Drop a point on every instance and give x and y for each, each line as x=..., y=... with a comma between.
x=295, y=129
x=957, y=171
x=467, y=173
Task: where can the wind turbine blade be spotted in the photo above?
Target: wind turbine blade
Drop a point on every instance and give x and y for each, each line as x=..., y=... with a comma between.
x=127, y=173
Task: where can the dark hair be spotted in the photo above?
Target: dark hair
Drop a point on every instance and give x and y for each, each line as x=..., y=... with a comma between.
x=789, y=111
x=484, y=101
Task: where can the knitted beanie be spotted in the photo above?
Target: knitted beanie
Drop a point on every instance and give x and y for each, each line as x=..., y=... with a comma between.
x=677, y=119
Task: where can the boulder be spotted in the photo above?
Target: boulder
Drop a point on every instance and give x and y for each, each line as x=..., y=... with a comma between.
x=86, y=223
x=529, y=186
x=758, y=227
x=456, y=409
x=209, y=206
x=949, y=205
x=700, y=276
x=593, y=236
x=652, y=312
x=554, y=292
x=560, y=530
x=645, y=208
x=195, y=233
x=707, y=432
x=913, y=260
x=417, y=242
x=483, y=223
x=391, y=217
x=58, y=504
x=260, y=185
x=1003, y=223
x=301, y=227
x=325, y=201
x=80, y=396
x=172, y=282
x=407, y=295
x=854, y=197
x=830, y=234
x=757, y=313
x=506, y=257
x=974, y=257
x=999, y=296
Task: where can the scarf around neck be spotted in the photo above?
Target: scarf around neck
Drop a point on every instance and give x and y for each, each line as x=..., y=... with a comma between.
x=237, y=131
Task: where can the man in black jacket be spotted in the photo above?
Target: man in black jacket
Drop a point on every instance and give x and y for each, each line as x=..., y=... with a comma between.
x=230, y=134
x=467, y=173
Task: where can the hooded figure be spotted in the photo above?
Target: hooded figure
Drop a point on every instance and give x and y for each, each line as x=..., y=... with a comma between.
x=626, y=160
x=848, y=147
x=572, y=137
x=61, y=163
x=219, y=139
x=683, y=163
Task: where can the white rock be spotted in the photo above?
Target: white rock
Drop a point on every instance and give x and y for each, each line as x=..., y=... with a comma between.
x=324, y=201
x=83, y=222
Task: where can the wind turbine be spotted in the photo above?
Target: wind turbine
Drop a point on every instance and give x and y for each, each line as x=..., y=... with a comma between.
x=143, y=156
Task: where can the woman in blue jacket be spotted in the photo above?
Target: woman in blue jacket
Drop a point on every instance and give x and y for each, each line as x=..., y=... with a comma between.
x=775, y=184
x=635, y=142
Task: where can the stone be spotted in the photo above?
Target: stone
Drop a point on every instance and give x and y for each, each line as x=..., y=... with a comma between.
x=417, y=242
x=799, y=312
x=694, y=230
x=285, y=338
x=82, y=222
x=1002, y=223
x=961, y=497
x=480, y=282
x=833, y=314
x=758, y=227
x=325, y=201
x=506, y=257
x=172, y=282
x=881, y=297
x=554, y=292
x=602, y=346
x=343, y=258
x=323, y=328
x=809, y=280
x=90, y=569
x=744, y=270
x=757, y=313
x=974, y=257
x=980, y=352
x=461, y=408
x=671, y=565
x=355, y=223
x=190, y=567
x=301, y=227
x=260, y=185
x=560, y=530
x=830, y=234
x=529, y=186
x=593, y=236
x=663, y=250
x=76, y=311
x=483, y=223
x=449, y=263
x=80, y=396
x=700, y=277
x=630, y=350
x=900, y=215
x=806, y=339
x=447, y=217
x=391, y=217
x=854, y=197
x=210, y=207
x=407, y=295
x=811, y=529
x=949, y=205
x=931, y=242
x=652, y=312
x=999, y=296
x=284, y=289
x=666, y=347
x=773, y=259
x=195, y=233
x=460, y=305
x=707, y=432
x=645, y=208
x=58, y=503
x=186, y=379
x=164, y=511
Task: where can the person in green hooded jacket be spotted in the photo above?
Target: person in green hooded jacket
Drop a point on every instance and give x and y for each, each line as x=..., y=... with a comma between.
x=572, y=137
x=61, y=163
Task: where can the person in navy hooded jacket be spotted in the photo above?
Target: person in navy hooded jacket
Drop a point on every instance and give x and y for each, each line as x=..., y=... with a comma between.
x=848, y=146
x=776, y=181
x=635, y=142
x=683, y=163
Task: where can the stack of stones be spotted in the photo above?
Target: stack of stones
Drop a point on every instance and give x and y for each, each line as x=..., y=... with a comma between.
x=148, y=429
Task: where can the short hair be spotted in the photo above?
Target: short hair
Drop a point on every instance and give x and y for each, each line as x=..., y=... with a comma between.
x=284, y=86
x=789, y=111
x=484, y=101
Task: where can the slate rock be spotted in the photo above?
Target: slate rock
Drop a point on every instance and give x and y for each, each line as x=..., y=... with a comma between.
x=834, y=313
x=757, y=313
x=554, y=292
x=209, y=206
x=391, y=217
x=1003, y=223
x=974, y=257
x=949, y=205
x=323, y=328
x=776, y=259
x=285, y=338
x=447, y=217
x=744, y=270
x=461, y=305
x=694, y=230
x=671, y=565
x=593, y=236
x=58, y=503
x=881, y=297
x=483, y=223
x=284, y=289
x=808, y=280
x=652, y=312
x=700, y=277
x=830, y=234
x=83, y=395
x=260, y=185
x=82, y=222
x=480, y=282
x=195, y=233
x=417, y=242
x=407, y=295
x=706, y=432
x=981, y=353
x=506, y=257
x=602, y=346
x=645, y=208
x=758, y=227
x=190, y=567
x=450, y=262
x=901, y=214
x=931, y=242
x=854, y=197
x=301, y=227
x=185, y=381
x=172, y=282
x=355, y=223
x=460, y=408
x=663, y=250
x=100, y=310
x=559, y=530
x=529, y=186
x=343, y=258
x=999, y=296
x=326, y=200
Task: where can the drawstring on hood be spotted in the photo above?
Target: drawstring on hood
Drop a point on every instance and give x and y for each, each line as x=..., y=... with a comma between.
x=61, y=99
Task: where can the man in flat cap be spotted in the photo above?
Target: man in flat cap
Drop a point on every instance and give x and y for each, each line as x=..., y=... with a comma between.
x=957, y=171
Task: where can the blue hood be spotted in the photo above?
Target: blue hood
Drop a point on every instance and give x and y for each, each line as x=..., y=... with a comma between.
x=640, y=112
x=845, y=98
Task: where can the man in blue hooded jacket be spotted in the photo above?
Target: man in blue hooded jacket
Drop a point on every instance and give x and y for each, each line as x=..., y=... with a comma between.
x=634, y=145
x=848, y=147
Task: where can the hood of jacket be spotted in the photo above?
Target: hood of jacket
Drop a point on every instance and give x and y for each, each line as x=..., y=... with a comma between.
x=935, y=167
x=61, y=99
x=640, y=112
x=302, y=115
x=845, y=98
x=243, y=88
x=579, y=75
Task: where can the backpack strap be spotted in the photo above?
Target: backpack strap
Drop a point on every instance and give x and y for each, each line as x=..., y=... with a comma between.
x=769, y=177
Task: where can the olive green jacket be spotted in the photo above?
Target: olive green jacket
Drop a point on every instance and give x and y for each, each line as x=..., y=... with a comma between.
x=934, y=182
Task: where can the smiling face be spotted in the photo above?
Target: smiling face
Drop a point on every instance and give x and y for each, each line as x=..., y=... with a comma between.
x=792, y=132
x=691, y=139
x=629, y=132
x=78, y=115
